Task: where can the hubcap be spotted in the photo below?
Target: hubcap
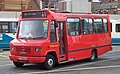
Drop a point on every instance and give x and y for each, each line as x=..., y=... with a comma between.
x=50, y=62
x=93, y=56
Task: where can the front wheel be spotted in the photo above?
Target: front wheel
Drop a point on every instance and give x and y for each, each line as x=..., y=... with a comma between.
x=49, y=62
x=18, y=64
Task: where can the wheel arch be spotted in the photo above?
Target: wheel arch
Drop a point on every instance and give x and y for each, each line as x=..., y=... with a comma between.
x=95, y=52
x=53, y=53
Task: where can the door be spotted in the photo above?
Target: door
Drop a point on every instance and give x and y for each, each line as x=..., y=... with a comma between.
x=61, y=35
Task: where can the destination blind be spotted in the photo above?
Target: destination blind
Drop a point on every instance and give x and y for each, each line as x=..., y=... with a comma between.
x=34, y=14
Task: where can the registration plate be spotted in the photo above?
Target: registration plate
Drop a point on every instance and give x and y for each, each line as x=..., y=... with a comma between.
x=22, y=58
x=22, y=52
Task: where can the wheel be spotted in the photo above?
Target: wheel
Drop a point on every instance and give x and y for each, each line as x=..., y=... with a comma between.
x=18, y=64
x=93, y=55
x=49, y=62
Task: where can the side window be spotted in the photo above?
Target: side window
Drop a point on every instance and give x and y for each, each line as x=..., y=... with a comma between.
x=87, y=27
x=13, y=27
x=5, y=28
x=98, y=25
x=8, y=27
x=105, y=23
x=53, y=33
x=73, y=25
x=117, y=27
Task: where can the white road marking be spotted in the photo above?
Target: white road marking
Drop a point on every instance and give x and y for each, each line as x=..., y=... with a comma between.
x=78, y=69
x=72, y=68
x=5, y=61
x=87, y=64
x=4, y=56
x=6, y=65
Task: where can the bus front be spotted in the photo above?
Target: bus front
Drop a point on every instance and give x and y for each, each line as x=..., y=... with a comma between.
x=33, y=40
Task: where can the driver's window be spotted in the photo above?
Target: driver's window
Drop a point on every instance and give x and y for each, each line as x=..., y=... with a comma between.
x=52, y=33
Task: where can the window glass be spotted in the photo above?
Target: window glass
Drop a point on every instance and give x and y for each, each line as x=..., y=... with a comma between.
x=117, y=27
x=73, y=25
x=98, y=25
x=46, y=5
x=5, y=28
x=52, y=5
x=87, y=26
x=53, y=33
x=8, y=27
x=105, y=22
x=33, y=29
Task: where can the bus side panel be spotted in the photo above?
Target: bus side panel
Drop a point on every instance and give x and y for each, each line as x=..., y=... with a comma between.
x=103, y=50
x=5, y=40
x=86, y=43
x=115, y=35
x=79, y=47
x=107, y=44
x=82, y=54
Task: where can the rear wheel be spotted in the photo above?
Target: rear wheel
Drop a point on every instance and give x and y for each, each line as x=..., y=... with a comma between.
x=18, y=64
x=49, y=62
x=93, y=55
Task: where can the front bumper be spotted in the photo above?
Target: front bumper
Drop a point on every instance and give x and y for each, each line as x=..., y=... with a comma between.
x=24, y=59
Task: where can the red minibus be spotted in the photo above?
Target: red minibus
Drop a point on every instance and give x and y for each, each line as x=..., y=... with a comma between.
x=53, y=38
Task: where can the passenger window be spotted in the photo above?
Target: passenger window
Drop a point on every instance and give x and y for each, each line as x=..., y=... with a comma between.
x=117, y=27
x=98, y=25
x=8, y=27
x=53, y=33
x=87, y=27
x=105, y=22
x=73, y=25
x=5, y=28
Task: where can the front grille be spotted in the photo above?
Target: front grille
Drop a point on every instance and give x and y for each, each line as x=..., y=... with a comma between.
x=23, y=50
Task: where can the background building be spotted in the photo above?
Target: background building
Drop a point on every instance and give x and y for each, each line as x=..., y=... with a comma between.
x=78, y=6
x=19, y=5
x=50, y=4
x=56, y=5
x=106, y=7
x=13, y=5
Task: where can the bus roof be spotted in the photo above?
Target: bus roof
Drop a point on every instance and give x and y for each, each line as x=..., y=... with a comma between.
x=63, y=16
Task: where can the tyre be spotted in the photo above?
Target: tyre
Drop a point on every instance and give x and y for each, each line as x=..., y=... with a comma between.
x=49, y=62
x=18, y=64
x=93, y=56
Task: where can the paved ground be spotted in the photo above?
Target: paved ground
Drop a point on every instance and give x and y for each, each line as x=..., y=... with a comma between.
x=108, y=63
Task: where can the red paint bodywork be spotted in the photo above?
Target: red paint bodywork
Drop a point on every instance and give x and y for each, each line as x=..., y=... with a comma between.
x=100, y=42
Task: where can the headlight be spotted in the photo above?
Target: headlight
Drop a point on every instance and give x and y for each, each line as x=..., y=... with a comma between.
x=38, y=49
